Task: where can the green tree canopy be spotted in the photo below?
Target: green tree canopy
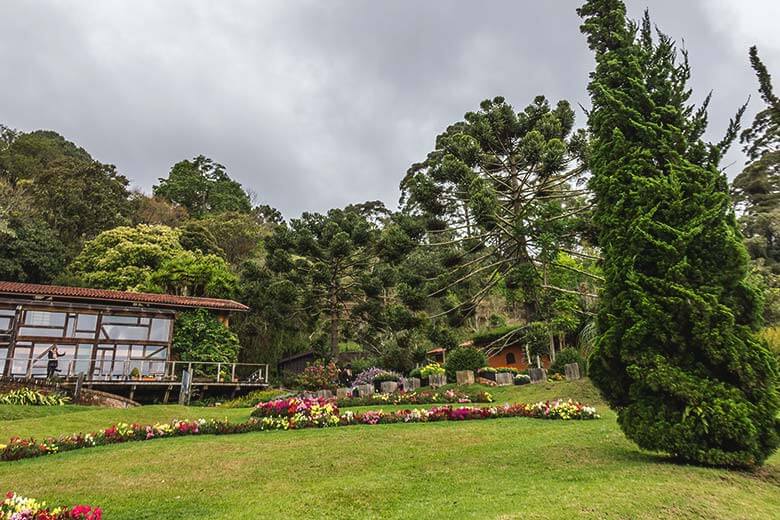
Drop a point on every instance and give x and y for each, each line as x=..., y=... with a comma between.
x=150, y=258
x=677, y=356
x=202, y=186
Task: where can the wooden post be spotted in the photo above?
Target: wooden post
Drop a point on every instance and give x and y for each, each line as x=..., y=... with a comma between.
x=77, y=390
x=184, y=389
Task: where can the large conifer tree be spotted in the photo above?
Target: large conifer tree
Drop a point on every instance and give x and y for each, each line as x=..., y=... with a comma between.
x=677, y=355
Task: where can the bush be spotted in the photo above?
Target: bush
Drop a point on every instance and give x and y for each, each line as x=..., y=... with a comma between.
x=522, y=379
x=431, y=369
x=199, y=336
x=386, y=375
x=366, y=377
x=30, y=397
x=416, y=373
x=319, y=376
x=464, y=358
x=564, y=357
x=507, y=370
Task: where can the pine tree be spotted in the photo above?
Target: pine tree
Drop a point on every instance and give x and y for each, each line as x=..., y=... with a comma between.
x=756, y=191
x=677, y=356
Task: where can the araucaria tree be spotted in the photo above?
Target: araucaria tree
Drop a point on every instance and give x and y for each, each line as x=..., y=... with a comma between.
x=677, y=355
x=500, y=201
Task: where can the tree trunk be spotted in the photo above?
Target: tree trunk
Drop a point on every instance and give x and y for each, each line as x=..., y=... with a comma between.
x=334, y=324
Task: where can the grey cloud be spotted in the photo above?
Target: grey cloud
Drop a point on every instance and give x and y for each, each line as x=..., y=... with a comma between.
x=312, y=104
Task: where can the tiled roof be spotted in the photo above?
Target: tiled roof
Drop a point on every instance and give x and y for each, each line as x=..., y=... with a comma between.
x=105, y=296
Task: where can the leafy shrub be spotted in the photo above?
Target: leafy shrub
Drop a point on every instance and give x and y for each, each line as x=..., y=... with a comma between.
x=386, y=375
x=564, y=357
x=507, y=370
x=522, y=379
x=431, y=369
x=30, y=397
x=464, y=358
x=487, y=370
x=487, y=336
x=258, y=396
x=199, y=336
x=416, y=373
x=319, y=376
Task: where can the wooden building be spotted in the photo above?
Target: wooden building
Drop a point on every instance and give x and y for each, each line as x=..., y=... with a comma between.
x=105, y=335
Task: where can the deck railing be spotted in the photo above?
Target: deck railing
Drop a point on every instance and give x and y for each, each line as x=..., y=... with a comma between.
x=147, y=369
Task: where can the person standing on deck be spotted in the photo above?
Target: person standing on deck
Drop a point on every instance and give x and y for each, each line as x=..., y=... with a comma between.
x=54, y=361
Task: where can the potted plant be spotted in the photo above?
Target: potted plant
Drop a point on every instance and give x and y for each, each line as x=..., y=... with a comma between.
x=135, y=373
x=383, y=376
x=487, y=373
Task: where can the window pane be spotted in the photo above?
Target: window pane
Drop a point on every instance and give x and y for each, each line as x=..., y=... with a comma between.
x=86, y=322
x=54, y=319
x=124, y=320
x=5, y=323
x=125, y=332
x=160, y=329
x=46, y=333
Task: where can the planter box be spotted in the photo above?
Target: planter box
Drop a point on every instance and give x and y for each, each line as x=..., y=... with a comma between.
x=410, y=384
x=464, y=377
x=325, y=394
x=437, y=380
x=504, y=378
x=538, y=375
x=488, y=375
x=365, y=390
x=343, y=393
x=572, y=371
x=388, y=387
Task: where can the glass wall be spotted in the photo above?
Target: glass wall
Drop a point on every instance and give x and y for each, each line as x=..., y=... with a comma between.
x=103, y=344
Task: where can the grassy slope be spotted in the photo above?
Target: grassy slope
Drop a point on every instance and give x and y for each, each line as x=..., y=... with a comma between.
x=509, y=468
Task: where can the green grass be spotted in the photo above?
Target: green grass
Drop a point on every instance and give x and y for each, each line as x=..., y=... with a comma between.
x=506, y=468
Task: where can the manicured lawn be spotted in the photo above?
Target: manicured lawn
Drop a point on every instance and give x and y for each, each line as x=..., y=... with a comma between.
x=505, y=468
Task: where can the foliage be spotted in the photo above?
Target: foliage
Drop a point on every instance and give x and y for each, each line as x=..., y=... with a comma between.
x=202, y=186
x=419, y=397
x=238, y=235
x=30, y=251
x=366, y=377
x=498, y=199
x=565, y=357
x=522, y=379
x=331, y=260
x=151, y=258
x=319, y=376
x=195, y=236
x=75, y=195
x=756, y=192
x=155, y=211
x=193, y=274
x=676, y=354
x=464, y=358
x=30, y=397
x=488, y=336
x=258, y=396
x=199, y=336
x=124, y=258
x=17, y=507
x=387, y=375
x=431, y=369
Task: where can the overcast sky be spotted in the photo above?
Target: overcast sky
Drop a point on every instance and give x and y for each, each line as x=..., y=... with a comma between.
x=317, y=104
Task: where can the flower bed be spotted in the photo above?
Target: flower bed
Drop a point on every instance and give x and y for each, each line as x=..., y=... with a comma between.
x=311, y=412
x=16, y=507
x=418, y=397
x=314, y=414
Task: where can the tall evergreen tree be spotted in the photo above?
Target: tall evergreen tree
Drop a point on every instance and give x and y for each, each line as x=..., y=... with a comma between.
x=756, y=191
x=677, y=356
